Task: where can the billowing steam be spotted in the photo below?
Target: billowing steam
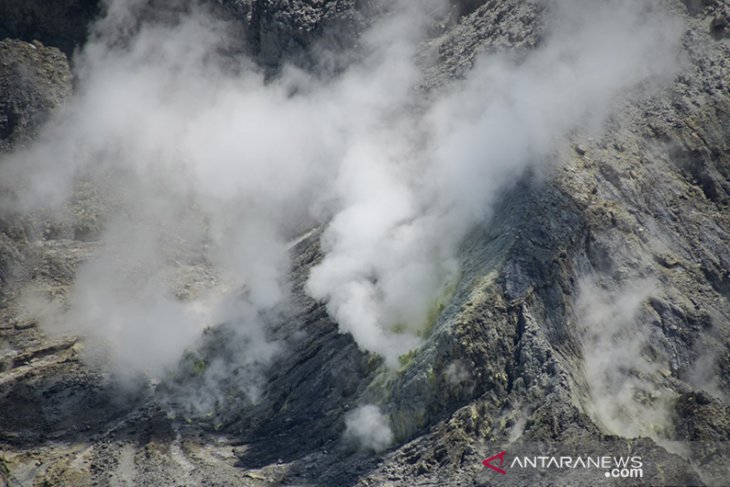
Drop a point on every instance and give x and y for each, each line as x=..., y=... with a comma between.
x=368, y=428
x=206, y=167
x=621, y=368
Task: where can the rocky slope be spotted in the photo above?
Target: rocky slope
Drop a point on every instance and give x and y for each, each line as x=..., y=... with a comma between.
x=518, y=359
x=60, y=24
x=34, y=80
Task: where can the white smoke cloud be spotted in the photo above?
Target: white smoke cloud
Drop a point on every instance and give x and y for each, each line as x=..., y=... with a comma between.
x=622, y=370
x=391, y=250
x=369, y=428
x=207, y=166
x=457, y=373
x=704, y=374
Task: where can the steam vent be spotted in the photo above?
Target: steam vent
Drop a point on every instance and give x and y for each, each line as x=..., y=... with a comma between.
x=362, y=243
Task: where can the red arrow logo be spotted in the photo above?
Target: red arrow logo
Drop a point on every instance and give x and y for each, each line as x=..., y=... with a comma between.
x=500, y=456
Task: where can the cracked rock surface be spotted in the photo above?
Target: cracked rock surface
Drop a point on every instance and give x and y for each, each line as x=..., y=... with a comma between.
x=509, y=364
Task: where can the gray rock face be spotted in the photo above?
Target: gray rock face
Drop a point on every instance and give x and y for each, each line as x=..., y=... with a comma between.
x=287, y=29
x=273, y=31
x=34, y=80
x=61, y=24
x=512, y=361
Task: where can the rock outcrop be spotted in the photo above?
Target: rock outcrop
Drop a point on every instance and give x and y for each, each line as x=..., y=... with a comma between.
x=63, y=25
x=34, y=81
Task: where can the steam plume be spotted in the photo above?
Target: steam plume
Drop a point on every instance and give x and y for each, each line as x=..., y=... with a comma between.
x=206, y=167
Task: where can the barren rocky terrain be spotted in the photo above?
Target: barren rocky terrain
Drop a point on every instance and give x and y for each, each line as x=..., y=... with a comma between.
x=530, y=352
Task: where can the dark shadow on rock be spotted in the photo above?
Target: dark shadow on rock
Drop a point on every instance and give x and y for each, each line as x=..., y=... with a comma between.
x=63, y=24
x=62, y=402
